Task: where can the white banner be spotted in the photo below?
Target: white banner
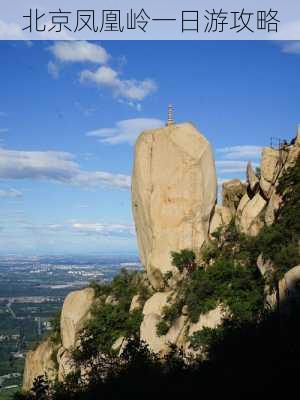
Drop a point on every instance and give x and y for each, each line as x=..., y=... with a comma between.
x=149, y=20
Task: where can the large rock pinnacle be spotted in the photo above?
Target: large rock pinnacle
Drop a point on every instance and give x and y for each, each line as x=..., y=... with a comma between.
x=173, y=194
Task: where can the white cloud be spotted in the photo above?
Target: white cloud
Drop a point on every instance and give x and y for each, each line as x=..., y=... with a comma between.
x=125, y=130
x=131, y=89
x=10, y=193
x=289, y=31
x=228, y=167
x=136, y=106
x=120, y=230
x=81, y=51
x=102, y=178
x=291, y=47
x=43, y=228
x=97, y=229
x=240, y=152
x=9, y=30
x=53, y=69
x=54, y=166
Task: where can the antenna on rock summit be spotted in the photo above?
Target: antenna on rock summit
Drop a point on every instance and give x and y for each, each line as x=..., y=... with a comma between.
x=170, y=120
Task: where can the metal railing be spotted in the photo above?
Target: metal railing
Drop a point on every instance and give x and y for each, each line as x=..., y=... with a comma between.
x=277, y=143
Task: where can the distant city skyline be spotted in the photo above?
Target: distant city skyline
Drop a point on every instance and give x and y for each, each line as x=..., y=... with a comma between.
x=71, y=111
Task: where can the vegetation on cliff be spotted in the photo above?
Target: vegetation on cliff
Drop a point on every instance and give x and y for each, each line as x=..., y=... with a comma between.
x=252, y=352
x=245, y=360
x=279, y=242
x=227, y=275
x=112, y=319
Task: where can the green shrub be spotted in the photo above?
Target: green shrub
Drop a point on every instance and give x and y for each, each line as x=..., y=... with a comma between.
x=184, y=259
x=162, y=328
x=280, y=241
x=203, y=339
x=168, y=275
x=55, y=334
x=110, y=321
x=228, y=276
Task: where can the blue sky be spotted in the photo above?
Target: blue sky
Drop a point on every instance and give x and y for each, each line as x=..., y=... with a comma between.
x=70, y=111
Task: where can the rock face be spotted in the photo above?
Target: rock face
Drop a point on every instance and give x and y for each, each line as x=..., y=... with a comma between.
x=156, y=303
x=289, y=285
x=173, y=195
x=271, y=162
x=221, y=217
x=148, y=334
x=252, y=178
x=153, y=312
x=75, y=313
x=56, y=360
x=289, y=293
x=65, y=363
x=266, y=268
x=181, y=328
x=39, y=362
x=259, y=205
x=211, y=319
x=232, y=192
x=174, y=207
x=135, y=303
x=249, y=221
x=272, y=207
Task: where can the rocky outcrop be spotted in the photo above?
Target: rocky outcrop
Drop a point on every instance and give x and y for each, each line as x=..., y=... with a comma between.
x=177, y=333
x=272, y=208
x=135, y=303
x=157, y=303
x=153, y=312
x=181, y=329
x=111, y=300
x=75, y=313
x=232, y=193
x=289, y=287
x=252, y=179
x=259, y=205
x=173, y=195
x=271, y=163
x=148, y=334
x=221, y=217
x=65, y=363
x=118, y=343
x=174, y=207
x=56, y=360
x=211, y=319
x=244, y=201
x=265, y=266
x=266, y=269
x=40, y=362
x=248, y=217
